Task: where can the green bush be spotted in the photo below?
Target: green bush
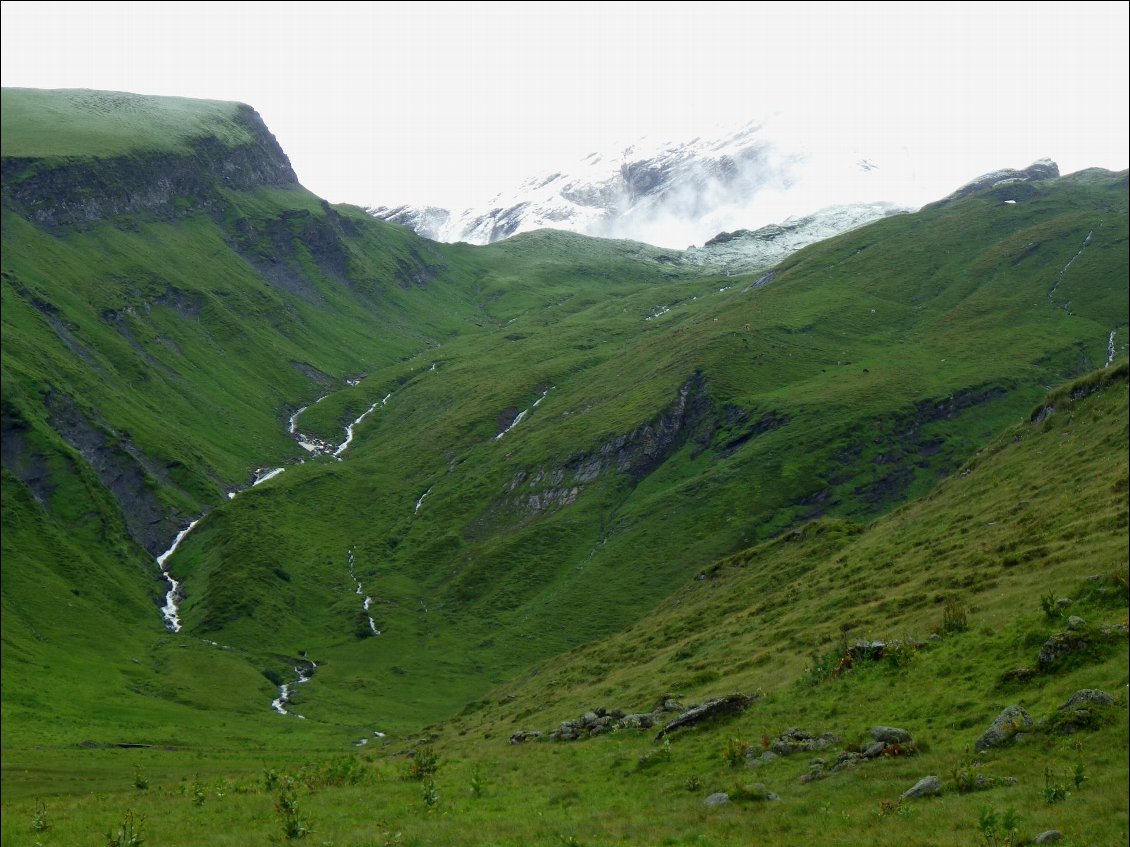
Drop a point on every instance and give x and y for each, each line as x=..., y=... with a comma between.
x=955, y=619
x=735, y=752
x=424, y=763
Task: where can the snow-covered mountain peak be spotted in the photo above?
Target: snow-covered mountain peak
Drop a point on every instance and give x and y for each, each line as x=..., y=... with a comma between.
x=663, y=192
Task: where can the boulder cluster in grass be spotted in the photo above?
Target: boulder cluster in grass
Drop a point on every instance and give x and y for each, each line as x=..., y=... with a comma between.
x=757, y=792
x=1080, y=639
x=885, y=741
x=668, y=713
x=1087, y=708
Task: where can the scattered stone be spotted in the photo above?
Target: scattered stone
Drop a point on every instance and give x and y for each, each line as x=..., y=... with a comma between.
x=524, y=735
x=799, y=741
x=874, y=750
x=1007, y=724
x=640, y=720
x=846, y=761
x=890, y=735
x=1075, y=623
x=600, y=720
x=731, y=704
x=1058, y=647
x=1051, y=836
x=567, y=731
x=925, y=787
x=720, y=798
x=1088, y=697
x=1063, y=602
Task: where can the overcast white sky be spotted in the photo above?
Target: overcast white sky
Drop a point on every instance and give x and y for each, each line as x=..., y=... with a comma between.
x=448, y=103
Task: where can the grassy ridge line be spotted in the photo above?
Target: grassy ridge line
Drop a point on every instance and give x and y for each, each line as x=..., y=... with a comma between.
x=83, y=124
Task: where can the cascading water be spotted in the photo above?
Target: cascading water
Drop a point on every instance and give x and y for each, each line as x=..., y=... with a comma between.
x=169, y=611
x=360, y=592
x=522, y=414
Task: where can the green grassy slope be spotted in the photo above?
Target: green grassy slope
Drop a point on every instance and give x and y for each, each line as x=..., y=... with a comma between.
x=870, y=366
x=151, y=357
x=153, y=353
x=1039, y=512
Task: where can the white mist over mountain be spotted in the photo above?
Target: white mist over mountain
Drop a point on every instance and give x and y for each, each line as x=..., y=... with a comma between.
x=679, y=193
x=447, y=104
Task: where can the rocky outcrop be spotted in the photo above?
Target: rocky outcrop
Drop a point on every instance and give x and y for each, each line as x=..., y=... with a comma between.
x=926, y=787
x=158, y=183
x=1086, y=709
x=123, y=470
x=800, y=741
x=1078, y=641
x=636, y=453
x=1004, y=728
x=886, y=742
x=1088, y=697
x=600, y=720
x=728, y=706
x=1006, y=178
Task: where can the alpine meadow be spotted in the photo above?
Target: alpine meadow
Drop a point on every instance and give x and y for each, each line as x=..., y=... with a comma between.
x=317, y=530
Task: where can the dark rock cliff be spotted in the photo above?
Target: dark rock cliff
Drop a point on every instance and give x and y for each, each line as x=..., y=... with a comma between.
x=167, y=185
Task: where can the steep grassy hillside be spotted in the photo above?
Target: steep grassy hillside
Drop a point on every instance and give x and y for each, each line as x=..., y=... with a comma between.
x=963, y=587
x=843, y=387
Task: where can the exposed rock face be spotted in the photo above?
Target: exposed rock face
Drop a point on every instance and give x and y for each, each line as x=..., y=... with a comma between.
x=890, y=735
x=159, y=183
x=1086, y=709
x=731, y=704
x=1088, y=697
x=1008, y=723
x=125, y=472
x=636, y=453
x=1039, y=170
x=1061, y=645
